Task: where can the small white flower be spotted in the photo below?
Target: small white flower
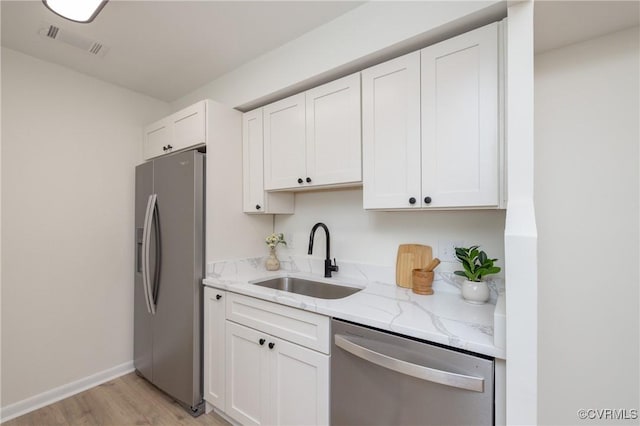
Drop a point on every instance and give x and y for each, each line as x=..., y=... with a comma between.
x=275, y=239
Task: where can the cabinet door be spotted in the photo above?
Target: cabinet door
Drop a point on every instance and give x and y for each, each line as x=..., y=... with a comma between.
x=189, y=126
x=252, y=159
x=247, y=376
x=156, y=137
x=255, y=199
x=284, y=143
x=460, y=150
x=214, y=347
x=299, y=391
x=334, y=143
x=391, y=133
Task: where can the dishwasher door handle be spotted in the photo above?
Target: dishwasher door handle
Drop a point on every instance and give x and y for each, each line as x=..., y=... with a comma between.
x=447, y=378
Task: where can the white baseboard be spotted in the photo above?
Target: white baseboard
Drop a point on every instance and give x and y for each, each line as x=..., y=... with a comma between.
x=49, y=397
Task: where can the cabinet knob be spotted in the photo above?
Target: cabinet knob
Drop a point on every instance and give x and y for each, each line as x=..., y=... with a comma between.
x=299, y=180
x=261, y=341
x=218, y=296
x=164, y=148
x=412, y=200
x=258, y=207
x=427, y=200
x=271, y=345
x=169, y=147
x=308, y=180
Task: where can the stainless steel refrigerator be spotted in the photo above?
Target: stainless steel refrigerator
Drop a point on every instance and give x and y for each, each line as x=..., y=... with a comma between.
x=169, y=267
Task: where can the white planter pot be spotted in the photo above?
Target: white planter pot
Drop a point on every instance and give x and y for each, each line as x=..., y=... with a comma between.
x=475, y=292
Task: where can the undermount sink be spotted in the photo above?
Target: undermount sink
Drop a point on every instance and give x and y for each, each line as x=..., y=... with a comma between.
x=308, y=288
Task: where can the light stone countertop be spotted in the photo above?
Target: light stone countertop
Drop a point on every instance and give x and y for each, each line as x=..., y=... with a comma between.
x=443, y=317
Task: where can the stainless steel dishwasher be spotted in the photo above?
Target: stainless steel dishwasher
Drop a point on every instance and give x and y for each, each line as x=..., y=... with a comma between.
x=379, y=378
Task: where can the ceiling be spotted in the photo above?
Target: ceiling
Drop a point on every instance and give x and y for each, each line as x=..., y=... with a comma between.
x=559, y=23
x=165, y=49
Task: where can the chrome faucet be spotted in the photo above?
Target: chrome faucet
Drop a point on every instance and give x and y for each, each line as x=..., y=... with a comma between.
x=328, y=267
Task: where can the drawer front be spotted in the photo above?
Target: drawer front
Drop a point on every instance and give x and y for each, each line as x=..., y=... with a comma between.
x=295, y=325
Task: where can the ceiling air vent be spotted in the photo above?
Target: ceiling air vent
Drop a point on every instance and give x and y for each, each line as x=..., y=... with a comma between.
x=52, y=32
x=80, y=42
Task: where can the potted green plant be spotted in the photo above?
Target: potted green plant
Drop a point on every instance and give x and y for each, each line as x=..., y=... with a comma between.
x=476, y=265
x=272, y=263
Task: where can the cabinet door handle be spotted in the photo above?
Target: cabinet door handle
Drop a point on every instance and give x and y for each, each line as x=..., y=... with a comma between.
x=169, y=147
x=427, y=200
x=412, y=200
x=218, y=296
x=271, y=345
x=308, y=180
x=299, y=180
x=261, y=341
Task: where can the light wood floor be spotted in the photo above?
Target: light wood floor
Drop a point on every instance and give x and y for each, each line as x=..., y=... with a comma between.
x=127, y=400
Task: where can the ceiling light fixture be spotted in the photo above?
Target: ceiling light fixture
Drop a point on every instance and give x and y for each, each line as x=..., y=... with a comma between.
x=75, y=10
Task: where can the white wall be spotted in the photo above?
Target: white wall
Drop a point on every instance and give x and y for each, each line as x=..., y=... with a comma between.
x=69, y=147
x=373, y=237
x=349, y=41
x=587, y=206
x=520, y=237
x=230, y=234
x=365, y=34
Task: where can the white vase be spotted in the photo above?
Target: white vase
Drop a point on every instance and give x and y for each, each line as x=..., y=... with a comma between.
x=272, y=263
x=475, y=292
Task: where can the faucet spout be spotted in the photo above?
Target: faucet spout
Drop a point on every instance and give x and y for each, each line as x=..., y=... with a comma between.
x=328, y=267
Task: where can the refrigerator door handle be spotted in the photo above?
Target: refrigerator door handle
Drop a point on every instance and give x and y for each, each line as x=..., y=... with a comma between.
x=146, y=236
x=153, y=290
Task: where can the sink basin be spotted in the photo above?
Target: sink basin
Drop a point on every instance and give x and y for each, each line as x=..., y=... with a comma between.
x=308, y=288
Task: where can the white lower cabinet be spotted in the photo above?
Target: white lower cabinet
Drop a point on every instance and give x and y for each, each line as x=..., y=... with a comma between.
x=247, y=375
x=299, y=386
x=274, y=382
x=254, y=372
x=214, y=348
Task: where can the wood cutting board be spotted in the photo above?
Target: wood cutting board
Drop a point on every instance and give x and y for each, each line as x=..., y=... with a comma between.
x=411, y=256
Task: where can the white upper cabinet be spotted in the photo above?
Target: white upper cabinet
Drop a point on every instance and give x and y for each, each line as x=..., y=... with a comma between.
x=460, y=120
x=334, y=148
x=185, y=129
x=157, y=137
x=430, y=126
x=284, y=143
x=391, y=132
x=189, y=126
x=255, y=198
x=313, y=139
